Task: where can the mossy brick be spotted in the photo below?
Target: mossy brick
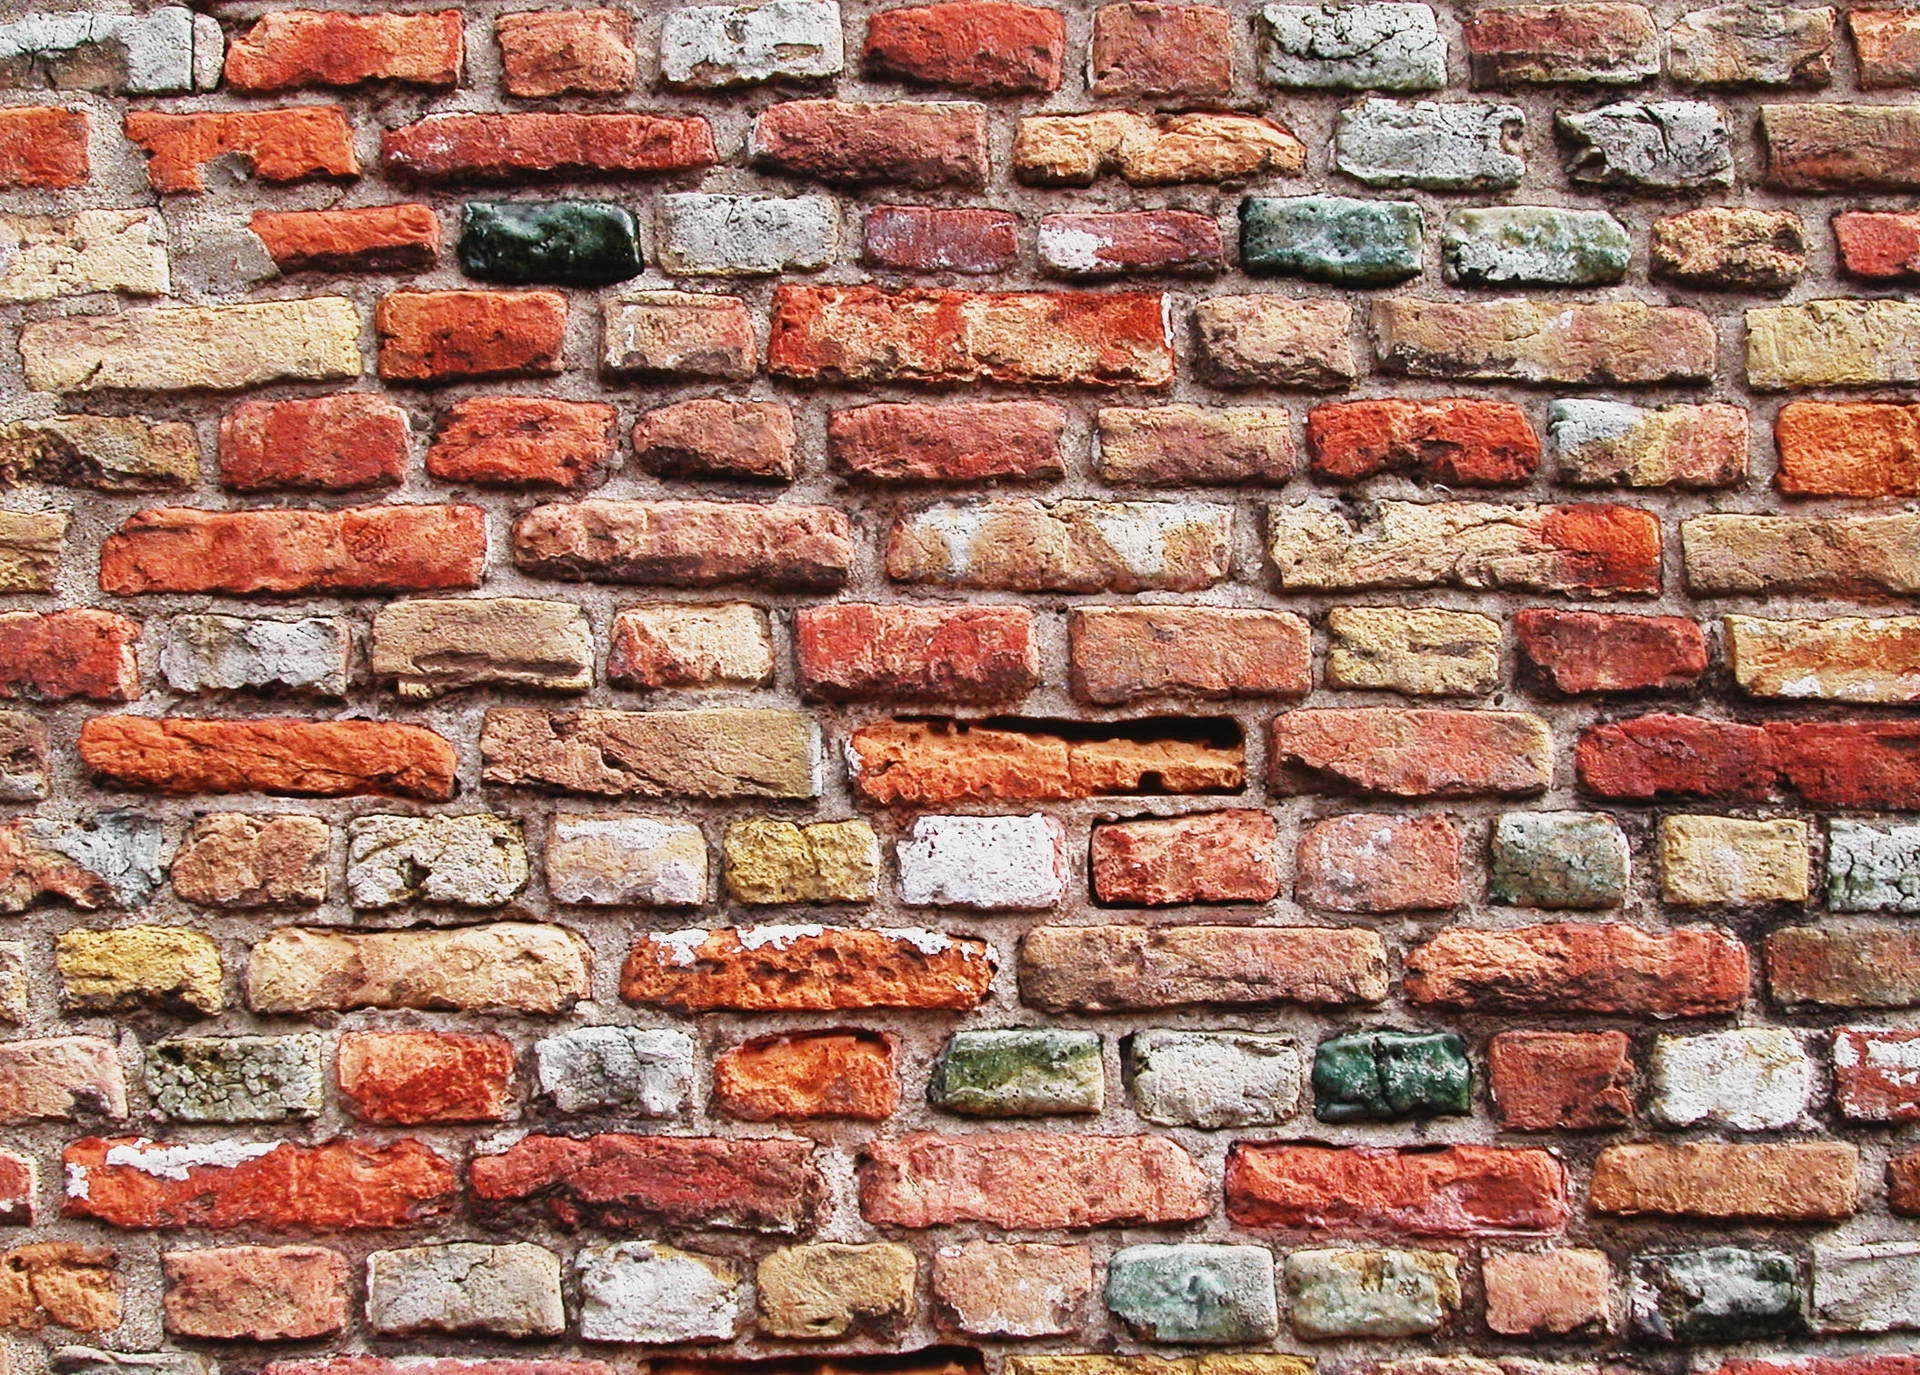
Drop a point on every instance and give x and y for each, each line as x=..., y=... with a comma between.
x=1334, y=239
x=565, y=243
x=1198, y=1294
x=1387, y=1075
x=1561, y=860
x=237, y=1078
x=1533, y=245
x=1716, y=1294
x=1019, y=1072
x=1873, y=866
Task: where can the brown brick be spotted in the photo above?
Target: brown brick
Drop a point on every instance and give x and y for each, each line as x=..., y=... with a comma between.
x=686, y=544
x=1173, y=446
x=1610, y=343
x=1855, y=965
x=718, y=752
x=1581, y=967
x=922, y=144
x=1117, y=968
x=923, y=238
x=994, y=47
x=1141, y=48
x=1841, y=147
x=1029, y=1181
x=59, y=1282
x=746, y=441
x=1205, y=857
x=1597, y=42
x=1788, y=1181
x=512, y=966
x=257, y=1293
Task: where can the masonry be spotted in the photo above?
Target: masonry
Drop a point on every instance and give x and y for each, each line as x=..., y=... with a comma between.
x=973, y=688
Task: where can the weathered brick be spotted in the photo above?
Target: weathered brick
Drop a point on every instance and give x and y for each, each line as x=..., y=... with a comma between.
x=43, y=147
x=1866, y=966
x=1111, y=968
x=1848, y=449
x=1745, y=44
x=520, y=147
x=287, y=145
x=428, y=645
x=204, y=654
x=60, y=1282
x=1332, y=239
x=1456, y=146
x=170, y=968
x=465, y=1287
x=672, y=645
x=1214, y=1079
x=826, y=1290
x=1379, y=863
x=679, y=334
x=256, y=1293
x=1173, y=446
x=31, y=545
x=1788, y=1181
x=800, y=968
x=1533, y=245
x=925, y=144
x=511, y=965
x=1144, y=48
x=522, y=441
x=1449, y=1191
x=466, y=861
x=1725, y=248
x=441, y=336
x=1602, y=43
x=237, y=1078
x=195, y=348
x=1146, y=1286
x=1744, y=555
x=1841, y=147
x=1227, y=856
x=1833, y=343
x=146, y=54
x=717, y=752
x=1567, y=1290
x=645, y=1072
x=746, y=441
x=1613, y=343
x=176, y=754
x=1417, y=651
x=988, y=863
x=1708, y=861
x=341, y=443
x=1010, y=1290
x=1878, y=245
x=95, y=250
x=560, y=52
x=1366, y=47
x=1119, y=243
x=1869, y=866
x=1125, y=654
x=294, y=48
x=746, y=236
x=626, y=861
x=773, y=862
x=1574, y=967
x=56, y=655
x=1402, y=752
x=1067, y=546
x=1562, y=860
x=1874, y=1074
x=1373, y=1293
x=960, y=441
x=711, y=46
x=1457, y=440
x=1844, y=659
x=374, y=238
x=921, y=238
x=1561, y=1080
x=60, y=1077
x=686, y=544
x=858, y=651
x=810, y=1074
x=1663, y=756
x=111, y=862
x=239, y=860
x=994, y=47
x=1887, y=46
x=1749, y=1079
x=1029, y=1181
x=644, y=1291
x=109, y=453
x=1073, y=150
x=1612, y=444
x=23, y=760
x=1276, y=341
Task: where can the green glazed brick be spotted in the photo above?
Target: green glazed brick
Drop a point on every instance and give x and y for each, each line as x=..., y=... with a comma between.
x=1332, y=239
x=1563, y=860
x=1384, y=1075
x=1018, y=1073
x=1718, y=1294
x=1195, y=1293
x=566, y=243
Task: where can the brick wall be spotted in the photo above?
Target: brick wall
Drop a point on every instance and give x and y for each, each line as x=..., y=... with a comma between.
x=1149, y=689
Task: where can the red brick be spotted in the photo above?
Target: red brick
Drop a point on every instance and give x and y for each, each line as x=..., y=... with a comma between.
x=1144, y=49
x=1437, y=1191
x=853, y=652
x=924, y=238
x=1561, y=1080
x=1848, y=449
x=1651, y=758
x=1903, y=1198
x=686, y=543
x=1454, y=440
x=1855, y=965
x=442, y=336
x=1206, y=857
x=1864, y=764
x=952, y=441
x=867, y=334
x=60, y=1078
x=55, y=655
x=1874, y=1078
x=748, y=441
x=918, y=144
x=1888, y=43
x=554, y=52
x=362, y=549
x=257, y=1293
x=409, y=1077
x=806, y=969
x=1122, y=968
x=618, y=1182
x=268, y=1186
x=517, y=147
x=991, y=46
x=280, y=145
x=18, y=1184
x=809, y=1074
x=1126, y=653
x=1410, y=752
x=338, y=443
x=42, y=147
x=1368, y=863
x=1115, y=243
x=1604, y=42
x=1787, y=1181
x=1582, y=967
x=375, y=238
x=1593, y=651
x=523, y=441
x=349, y=758
x=1824, y=1365
x=1879, y=245
x=1029, y=1181
x=60, y=1282
x=294, y=48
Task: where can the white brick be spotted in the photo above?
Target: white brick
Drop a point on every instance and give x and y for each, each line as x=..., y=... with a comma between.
x=230, y=653
x=512, y=1290
x=156, y=51
x=732, y=45
x=745, y=236
x=467, y=861
x=643, y=1291
x=1753, y=1079
x=992, y=863
x=626, y=861
x=1215, y=1078
x=1873, y=1288
x=640, y=1071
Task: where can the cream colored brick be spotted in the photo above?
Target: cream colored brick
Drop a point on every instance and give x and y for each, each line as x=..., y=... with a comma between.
x=1724, y=861
x=1419, y=651
x=824, y=1290
x=47, y=256
x=188, y=348
x=31, y=543
x=1843, y=343
x=1846, y=659
x=771, y=861
x=1773, y=555
x=675, y=646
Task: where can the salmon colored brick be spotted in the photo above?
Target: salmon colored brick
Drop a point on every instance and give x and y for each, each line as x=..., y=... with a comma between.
x=857, y=652
x=1148, y=49
x=1449, y=1191
x=444, y=336
x=1607, y=967
x=523, y=441
x=376, y=238
x=811, y=1074
x=1596, y=651
x=56, y=655
x=40, y=146
x=1561, y=1080
x=556, y=52
x=342, y=443
x=294, y=758
x=294, y=144
x=405, y=1078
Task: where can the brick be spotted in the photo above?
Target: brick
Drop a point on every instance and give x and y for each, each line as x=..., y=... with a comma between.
x=1751, y=1079
x=1366, y=47
x=1277, y=341
x=410, y=1077
x=1557, y=1293
x=1788, y=1181
x=374, y=238
x=1147, y=1288
x=928, y=763
x=808, y=1075
x=1878, y=245
x=719, y=752
x=296, y=48
x=992, y=47
x=436, y=1365
x=1865, y=1288
x=1649, y=146
x=622, y=1182
x=1847, y=449
x=561, y=52
x=862, y=652
x=1174, y=446
x=825, y=1290
x=1689, y=1296
x=1612, y=444
x=1457, y=146
x=1113, y=968
x=511, y=965
x=1611, y=44
x=1835, y=343
x=643, y=1291
x=564, y=243
x=1066, y=546
x=300, y=143
x=746, y=236
x=924, y=144
x=1533, y=245
x=1887, y=48
x=626, y=861
x=805, y=968
x=31, y=545
x=1028, y=1181
x=237, y=1078
x=1122, y=243
x=1561, y=1080
x=1332, y=239
x=115, y=53
x=1457, y=441
x=342, y=443
x=428, y=645
x=987, y=863
x=256, y=1293
x=442, y=336
x=1868, y=864
x=1560, y=860
x=1013, y=1289
x=465, y=1287
x=1725, y=248
x=1733, y=555
x=1417, y=651
x=672, y=645
x=105, y=452
x=1616, y=343
x=1449, y=1191
x=522, y=441
x=23, y=761
x=771, y=862
x=1214, y=1079
x=679, y=334
x=644, y=1072
x=63, y=1078
x=43, y=147
x=1391, y=1075
x=711, y=46
x=1402, y=752
x=1818, y=147
x=745, y=441
x=57, y=655
x=523, y=147
x=60, y=1282
x=686, y=544
x=1847, y=658
x=111, y=862
x=184, y=755
x=166, y=967
x=1382, y=863
x=1845, y=966
x=1874, y=1074
x=203, y=654
x=272, y=1186
x=1708, y=861
x=1579, y=967
x=95, y=250
x=1660, y=757
x=964, y=441
x=1846, y=764
x=1229, y=856
x=195, y=348
x=1333, y=1293
x=921, y=238
x=1752, y=45
x=1142, y=48
x=843, y=334
x=19, y=1182
x=1145, y=150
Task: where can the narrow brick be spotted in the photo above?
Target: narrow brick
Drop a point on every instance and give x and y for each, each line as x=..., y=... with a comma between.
x=956, y=441
x=1068, y=546
x=1121, y=968
x=1602, y=43
x=1612, y=444
x=1833, y=343
x=1457, y=440
x=1174, y=446
x=923, y=144
x=1403, y=752
x=374, y=238
x=686, y=544
x=183, y=755
x=920, y=238
x=1449, y=1191
x=718, y=752
x=1074, y=150
x=1029, y=1181
x=805, y=968
x=520, y=147
x=1592, y=651
x=1614, y=343
x=512, y=966
x=1607, y=967
x=1789, y=1181
x=1818, y=147
x=1844, y=659
x=1128, y=242
x=1663, y=756
x=195, y=348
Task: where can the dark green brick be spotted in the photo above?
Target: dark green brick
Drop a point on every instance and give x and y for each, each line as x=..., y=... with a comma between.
x=564, y=243
x=1018, y=1073
x=1391, y=1074
x=1719, y=1294
x=1331, y=239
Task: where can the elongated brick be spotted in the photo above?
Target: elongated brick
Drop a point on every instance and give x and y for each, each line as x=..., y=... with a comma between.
x=804, y=967
x=1069, y=546
x=513, y=965
x=194, y=348
x=1613, y=343
x=1029, y=1181
x=714, y=752
x=1791, y=1181
x=686, y=543
x=1116, y=968
x=1449, y=1191
x=1603, y=967
x=174, y=754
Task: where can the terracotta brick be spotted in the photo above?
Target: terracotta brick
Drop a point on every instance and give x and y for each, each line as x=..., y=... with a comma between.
x=994, y=47
x=1455, y=441
x=1579, y=967
x=1888, y=44
x=1119, y=243
x=1848, y=449
x=60, y=1078
x=516, y=147
x=376, y=238
x=1447, y=1191
x=1843, y=966
x=558, y=52
x=40, y=146
x=1125, y=654
x=59, y=1282
x=442, y=336
x=1788, y=1181
x=1651, y=758
x=56, y=655
x=409, y=1077
x=805, y=968
x=1903, y=1190
x=295, y=144
x=922, y=144
x=19, y=1183
x=523, y=441
x=1864, y=764
x=863, y=652
x=1592, y=651
x=746, y=441
x=1879, y=245
x=1561, y=1080
x=1379, y=863
x=1150, y=49
x=1205, y=857
x=1873, y=1074
x=172, y=754
x=1029, y=1181
x=963, y=441
x=811, y=1074
x=1548, y=1293
x=343, y=443
x=922, y=238
x=294, y=48
x=1410, y=752
x=256, y=1293
x=1112, y=968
